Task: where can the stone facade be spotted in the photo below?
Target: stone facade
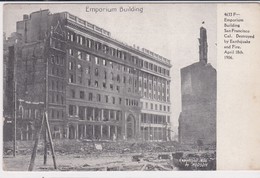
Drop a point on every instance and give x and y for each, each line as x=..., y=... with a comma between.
x=92, y=86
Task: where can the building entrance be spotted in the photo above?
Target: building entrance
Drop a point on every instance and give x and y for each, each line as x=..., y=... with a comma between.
x=130, y=127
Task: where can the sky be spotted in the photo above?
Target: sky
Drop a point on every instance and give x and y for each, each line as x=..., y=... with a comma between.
x=170, y=30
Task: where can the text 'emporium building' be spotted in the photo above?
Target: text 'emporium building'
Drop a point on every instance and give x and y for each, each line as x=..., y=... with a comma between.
x=95, y=87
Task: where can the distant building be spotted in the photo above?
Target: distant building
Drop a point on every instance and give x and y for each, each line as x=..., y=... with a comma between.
x=9, y=48
x=93, y=86
x=197, y=121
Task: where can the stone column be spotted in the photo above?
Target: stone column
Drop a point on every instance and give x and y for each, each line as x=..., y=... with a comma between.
x=67, y=132
x=142, y=84
x=138, y=127
x=93, y=114
x=93, y=132
x=86, y=112
x=158, y=133
x=161, y=131
x=145, y=133
x=165, y=133
x=169, y=94
x=101, y=131
x=154, y=133
x=75, y=133
x=27, y=132
x=142, y=133
x=124, y=131
x=116, y=131
x=115, y=115
x=109, y=114
x=149, y=133
x=77, y=110
x=166, y=85
x=82, y=131
x=102, y=114
x=85, y=130
x=99, y=114
x=152, y=89
x=108, y=131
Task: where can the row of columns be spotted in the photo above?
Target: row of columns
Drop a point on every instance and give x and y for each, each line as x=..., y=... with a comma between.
x=148, y=133
x=100, y=116
x=26, y=134
x=81, y=131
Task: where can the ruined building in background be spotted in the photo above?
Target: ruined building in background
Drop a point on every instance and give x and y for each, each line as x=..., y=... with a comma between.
x=93, y=86
x=197, y=122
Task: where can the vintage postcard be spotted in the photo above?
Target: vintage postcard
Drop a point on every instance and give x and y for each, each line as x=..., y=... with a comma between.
x=130, y=87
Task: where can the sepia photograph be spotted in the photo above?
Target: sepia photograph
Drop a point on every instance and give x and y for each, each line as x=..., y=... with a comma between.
x=109, y=87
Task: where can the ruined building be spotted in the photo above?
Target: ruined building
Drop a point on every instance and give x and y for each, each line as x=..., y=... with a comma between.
x=92, y=86
x=197, y=121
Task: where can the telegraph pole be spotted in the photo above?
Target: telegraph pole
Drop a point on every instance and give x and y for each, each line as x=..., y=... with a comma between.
x=46, y=110
x=14, y=136
x=15, y=98
x=47, y=130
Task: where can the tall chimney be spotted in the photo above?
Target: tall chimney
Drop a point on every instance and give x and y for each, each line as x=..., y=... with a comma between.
x=203, y=48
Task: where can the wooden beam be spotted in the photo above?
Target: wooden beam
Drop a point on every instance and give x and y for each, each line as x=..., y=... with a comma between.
x=38, y=136
x=50, y=140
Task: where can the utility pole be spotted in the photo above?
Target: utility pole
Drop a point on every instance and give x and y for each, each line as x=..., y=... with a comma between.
x=14, y=136
x=15, y=98
x=45, y=135
x=44, y=123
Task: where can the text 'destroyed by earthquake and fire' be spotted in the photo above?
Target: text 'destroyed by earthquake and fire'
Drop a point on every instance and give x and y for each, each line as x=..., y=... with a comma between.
x=236, y=36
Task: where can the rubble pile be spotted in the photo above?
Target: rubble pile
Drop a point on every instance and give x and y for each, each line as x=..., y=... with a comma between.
x=138, y=147
x=72, y=147
x=64, y=146
x=22, y=147
x=103, y=155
